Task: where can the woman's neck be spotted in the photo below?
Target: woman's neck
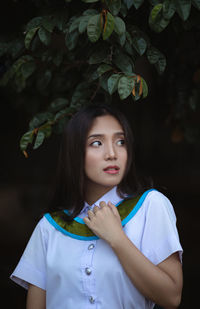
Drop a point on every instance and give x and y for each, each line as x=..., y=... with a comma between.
x=93, y=193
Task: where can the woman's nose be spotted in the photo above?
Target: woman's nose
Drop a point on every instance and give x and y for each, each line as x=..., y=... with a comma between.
x=110, y=152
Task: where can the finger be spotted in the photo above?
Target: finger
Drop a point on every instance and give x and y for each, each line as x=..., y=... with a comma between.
x=95, y=209
x=90, y=214
x=87, y=221
x=113, y=208
x=102, y=204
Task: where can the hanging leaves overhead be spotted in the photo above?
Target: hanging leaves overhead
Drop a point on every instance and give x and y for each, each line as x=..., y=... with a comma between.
x=72, y=54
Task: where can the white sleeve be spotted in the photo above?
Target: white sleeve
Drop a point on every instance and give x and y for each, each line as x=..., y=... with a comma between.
x=31, y=268
x=160, y=235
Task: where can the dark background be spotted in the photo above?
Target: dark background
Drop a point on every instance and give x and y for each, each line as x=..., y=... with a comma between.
x=25, y=184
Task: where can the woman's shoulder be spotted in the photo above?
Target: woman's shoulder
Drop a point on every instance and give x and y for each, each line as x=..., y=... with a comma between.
x=43, y=225
x=156, y=195
x=158, y=203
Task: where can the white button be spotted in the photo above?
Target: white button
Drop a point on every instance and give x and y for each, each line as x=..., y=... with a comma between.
x=91, y=246
x=92, y=300
x=88, y=271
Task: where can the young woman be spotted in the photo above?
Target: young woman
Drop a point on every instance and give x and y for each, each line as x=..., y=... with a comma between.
x=107, y=242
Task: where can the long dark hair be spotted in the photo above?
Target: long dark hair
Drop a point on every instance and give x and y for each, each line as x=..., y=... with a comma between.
x=70, y=190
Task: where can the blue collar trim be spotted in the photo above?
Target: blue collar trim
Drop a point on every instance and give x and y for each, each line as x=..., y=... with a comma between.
x=78, y=237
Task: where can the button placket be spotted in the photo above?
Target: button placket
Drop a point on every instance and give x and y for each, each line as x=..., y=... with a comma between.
x=92, y=300
x=88, y=271
x=91, y=246
x=88, y=274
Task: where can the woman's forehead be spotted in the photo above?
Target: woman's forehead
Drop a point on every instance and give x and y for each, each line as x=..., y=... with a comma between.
x=105, y=123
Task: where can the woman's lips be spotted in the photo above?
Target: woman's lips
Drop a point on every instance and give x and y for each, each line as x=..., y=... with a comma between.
x=111, y=169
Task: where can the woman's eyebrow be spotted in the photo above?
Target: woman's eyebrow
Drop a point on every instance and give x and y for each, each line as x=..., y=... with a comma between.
x=119, y=133
x=102, y=135
x=96, y=135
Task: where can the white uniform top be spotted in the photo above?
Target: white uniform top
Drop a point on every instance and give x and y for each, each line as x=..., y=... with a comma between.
x=88, y=274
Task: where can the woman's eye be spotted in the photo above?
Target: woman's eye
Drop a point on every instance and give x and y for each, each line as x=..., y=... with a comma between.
x=96, y=143
x=121, y=142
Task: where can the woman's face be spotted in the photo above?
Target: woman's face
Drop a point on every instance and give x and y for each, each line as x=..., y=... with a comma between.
x=106, y=155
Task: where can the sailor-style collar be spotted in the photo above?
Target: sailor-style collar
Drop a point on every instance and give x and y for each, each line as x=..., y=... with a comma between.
x=79, y=230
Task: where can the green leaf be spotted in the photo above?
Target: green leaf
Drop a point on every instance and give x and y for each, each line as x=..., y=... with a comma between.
x=64, y=113
x=27, y=69
x=169, y=9
x=152, y=55
x=113, y=83
x=40, y=119
x=48, y=22
x=156, y=12
x=58, y=104
x=75, y=24
x=46, y=129
x=114, y=6
x=29, y=37
x=90, y=12
x=157, y=58
x=196, y=3
x=129, y=3
x=139, y=44
x=36, y=22
x=45, y=36
x=59, y=126
x=122, y=39
x=161, y=64
x=103, y=68
x=144, y=88
x=39, y=139
x=136, y=95
x=104, y=81
x=82, y=91
x=94, y=28
x=156, y=20
x=129, y=50
x=183, y=8
x=83, y=23
x=125, y=86
x=120, y=26
x=123, y=62
x=123, y=10
x=26, y=139
x=20, y=61
x=61, y=114
x=98, y=56
x=129, y=38
x=71, y=39
x=108, y=26
x=161, y=25
x=137, y=3
x=15, y=68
